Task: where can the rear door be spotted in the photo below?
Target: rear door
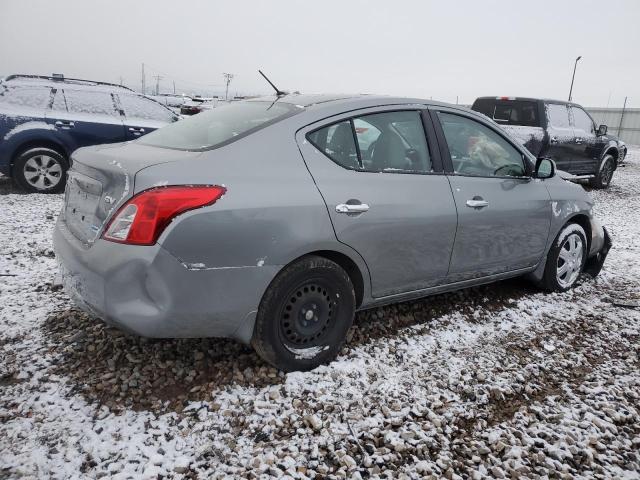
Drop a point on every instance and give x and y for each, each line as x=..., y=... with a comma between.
x=86, y=117
x=587, y=147
x=561, y=136
x=503, y=214
x=386, y=194
x=143, y=115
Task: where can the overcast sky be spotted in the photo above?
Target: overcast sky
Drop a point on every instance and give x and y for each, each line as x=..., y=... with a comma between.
x=439, y=49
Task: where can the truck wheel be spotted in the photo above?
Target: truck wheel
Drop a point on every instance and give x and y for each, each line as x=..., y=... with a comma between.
x=566, y=259
x=41, y=170
x=304, y=315
x=604, y=175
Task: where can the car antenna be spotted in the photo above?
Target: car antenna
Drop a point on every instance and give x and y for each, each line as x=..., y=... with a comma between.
x=279, y=92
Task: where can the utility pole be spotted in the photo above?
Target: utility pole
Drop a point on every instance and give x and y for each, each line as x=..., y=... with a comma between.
x=174, y=87
x=158, y=78
x=143, y=80
x=624, y=107
x=121, y=81
x=574, y=76
x=227, y=78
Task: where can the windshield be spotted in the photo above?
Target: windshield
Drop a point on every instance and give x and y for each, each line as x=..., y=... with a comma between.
x=219, y=126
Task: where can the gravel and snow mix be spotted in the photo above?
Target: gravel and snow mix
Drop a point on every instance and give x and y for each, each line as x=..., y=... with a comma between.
x=500, y=381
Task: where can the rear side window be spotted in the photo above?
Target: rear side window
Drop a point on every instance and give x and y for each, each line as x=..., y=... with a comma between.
x=219, y=126
x=509, y=112
x=86, y=101
x=582, y=120
x=29, y=97
x=558, y=115
x=386, y=142
x=135, y=106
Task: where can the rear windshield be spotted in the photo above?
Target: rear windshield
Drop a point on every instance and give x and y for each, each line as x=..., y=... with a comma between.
x=509, y=112
x=219, y=126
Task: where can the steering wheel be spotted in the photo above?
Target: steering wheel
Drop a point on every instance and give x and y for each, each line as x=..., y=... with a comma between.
x=509, y=168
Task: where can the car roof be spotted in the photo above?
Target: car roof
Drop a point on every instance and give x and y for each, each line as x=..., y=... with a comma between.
x=347, y=102
x=56, y=82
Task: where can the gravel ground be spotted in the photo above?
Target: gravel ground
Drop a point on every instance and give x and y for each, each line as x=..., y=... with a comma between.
x=494, y=382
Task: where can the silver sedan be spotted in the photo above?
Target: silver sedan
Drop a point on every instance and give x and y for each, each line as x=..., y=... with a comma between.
x=273, y=220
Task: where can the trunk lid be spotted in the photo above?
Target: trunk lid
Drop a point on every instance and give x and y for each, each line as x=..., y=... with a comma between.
x=102, y=178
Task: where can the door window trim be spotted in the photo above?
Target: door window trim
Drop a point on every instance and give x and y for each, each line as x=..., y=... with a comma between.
x=446, y=155
x=427, y=128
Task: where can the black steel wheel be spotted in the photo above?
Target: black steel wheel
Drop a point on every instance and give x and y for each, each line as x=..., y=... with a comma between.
x=304, y=315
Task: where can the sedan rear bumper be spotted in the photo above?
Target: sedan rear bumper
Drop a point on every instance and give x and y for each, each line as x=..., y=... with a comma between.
x=148, y=291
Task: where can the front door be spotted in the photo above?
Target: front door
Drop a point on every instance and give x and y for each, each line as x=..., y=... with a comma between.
x=561, y=136
x=587, y=147
x=143, y=115
x=386, y=194
x=503, y=214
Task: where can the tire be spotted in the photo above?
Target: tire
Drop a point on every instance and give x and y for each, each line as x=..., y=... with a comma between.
x=565, y=252
x=605, y=173
x=41, y=170
x=304, y=315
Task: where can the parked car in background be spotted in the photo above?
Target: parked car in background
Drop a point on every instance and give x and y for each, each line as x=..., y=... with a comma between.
x=562, y=131
x=273, y=220
x=44, y=119
x=197, y=105
x=170, y=100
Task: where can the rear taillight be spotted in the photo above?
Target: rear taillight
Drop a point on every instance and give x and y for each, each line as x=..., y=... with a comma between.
x=142, y=219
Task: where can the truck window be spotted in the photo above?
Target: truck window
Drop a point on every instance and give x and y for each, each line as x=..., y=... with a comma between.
x=509, y=112
x=558, y=115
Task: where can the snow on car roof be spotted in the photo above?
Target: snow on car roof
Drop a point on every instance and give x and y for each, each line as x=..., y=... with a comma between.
x=76, y=84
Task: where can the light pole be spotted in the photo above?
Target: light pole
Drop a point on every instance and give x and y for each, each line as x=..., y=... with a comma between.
x=575, y=65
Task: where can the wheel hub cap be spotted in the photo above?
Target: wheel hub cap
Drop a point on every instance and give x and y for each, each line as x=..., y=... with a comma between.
x=42, y=172
x=307, y=314
x=570, y=260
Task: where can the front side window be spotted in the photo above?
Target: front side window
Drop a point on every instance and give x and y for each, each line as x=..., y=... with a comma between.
x=582, y=120
x=86, y=101
x=135, y=106
x=558, y=115
x=219, y=126
x=386, y=142
x=29, y=97
x=479, y=151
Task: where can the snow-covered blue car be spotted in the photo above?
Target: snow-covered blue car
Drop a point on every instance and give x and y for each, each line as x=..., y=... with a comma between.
x=44, y=119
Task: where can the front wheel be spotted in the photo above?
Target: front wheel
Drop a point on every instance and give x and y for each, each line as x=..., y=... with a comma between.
x=304, y=315
x=566, y=259
x=40, y=170
x=605, y=174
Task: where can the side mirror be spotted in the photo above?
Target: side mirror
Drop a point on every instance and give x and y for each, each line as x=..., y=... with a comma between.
x=545, y=168
x=602, y=130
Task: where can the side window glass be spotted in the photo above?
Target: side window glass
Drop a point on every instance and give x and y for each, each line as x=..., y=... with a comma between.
x=558, y=115
x=582, y=121
x=140, y=107
x=85, y=101
x=59, y=103
x=336, y=141
x=27, y=97
x=393, y=142
x=477, y=150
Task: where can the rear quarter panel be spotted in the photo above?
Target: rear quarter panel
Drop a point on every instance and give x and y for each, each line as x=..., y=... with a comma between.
x=271, y=214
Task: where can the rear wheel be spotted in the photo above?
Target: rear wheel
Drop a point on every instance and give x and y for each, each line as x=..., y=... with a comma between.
x=304, y=315
x=566, y=259
x=40, y=170
x=605, y=174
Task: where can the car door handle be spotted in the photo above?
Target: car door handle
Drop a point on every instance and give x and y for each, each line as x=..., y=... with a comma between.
x=136, y=131
x=64, y=124
x=477, y=203
x=349, y=208
x=554, y=139
x=578, y=140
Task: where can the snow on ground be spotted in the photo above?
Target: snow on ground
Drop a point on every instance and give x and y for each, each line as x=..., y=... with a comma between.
x=498, y=381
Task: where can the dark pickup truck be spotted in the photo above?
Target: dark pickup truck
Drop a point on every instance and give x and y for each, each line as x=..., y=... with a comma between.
x=562, y=131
